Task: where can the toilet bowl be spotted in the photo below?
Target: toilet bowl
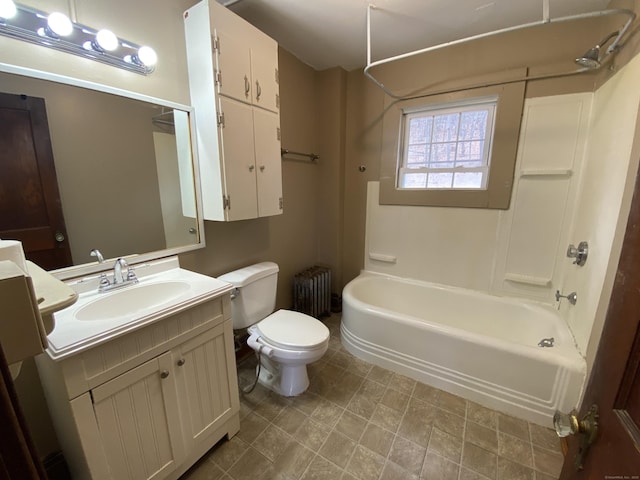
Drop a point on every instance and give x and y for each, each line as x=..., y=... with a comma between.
x=286, y=341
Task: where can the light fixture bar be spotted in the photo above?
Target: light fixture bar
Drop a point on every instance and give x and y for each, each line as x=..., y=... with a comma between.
x=33, y=26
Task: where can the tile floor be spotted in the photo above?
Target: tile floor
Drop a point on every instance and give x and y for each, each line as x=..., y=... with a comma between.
x=359, y=421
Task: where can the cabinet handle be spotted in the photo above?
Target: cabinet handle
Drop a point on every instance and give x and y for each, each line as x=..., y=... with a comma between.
x=262, y=168
x=258, y=90
x=251, y=168
x=247, y=86
x=164, y=374
x=181, y=362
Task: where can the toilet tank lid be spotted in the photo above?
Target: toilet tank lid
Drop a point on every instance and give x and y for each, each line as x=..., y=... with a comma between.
x=247, y=275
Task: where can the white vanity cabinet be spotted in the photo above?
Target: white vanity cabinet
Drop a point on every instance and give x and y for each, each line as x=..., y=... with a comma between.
x=233, y=79
x=149, y=403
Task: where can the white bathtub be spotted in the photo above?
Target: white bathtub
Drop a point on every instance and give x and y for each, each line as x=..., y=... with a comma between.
x=478, y=346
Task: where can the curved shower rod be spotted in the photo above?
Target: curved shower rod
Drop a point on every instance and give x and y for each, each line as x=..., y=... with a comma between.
x=545, y=20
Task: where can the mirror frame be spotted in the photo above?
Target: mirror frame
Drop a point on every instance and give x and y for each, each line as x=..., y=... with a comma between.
x=94, y=267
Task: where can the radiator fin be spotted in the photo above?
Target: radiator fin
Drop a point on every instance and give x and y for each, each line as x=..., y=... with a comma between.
x=312, y=291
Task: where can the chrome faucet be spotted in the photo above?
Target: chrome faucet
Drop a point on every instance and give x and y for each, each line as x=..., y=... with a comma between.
x=572, y=297
x=118, y=275
x=123, y=275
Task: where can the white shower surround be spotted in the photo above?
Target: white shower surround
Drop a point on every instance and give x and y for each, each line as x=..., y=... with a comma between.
x=481, y=347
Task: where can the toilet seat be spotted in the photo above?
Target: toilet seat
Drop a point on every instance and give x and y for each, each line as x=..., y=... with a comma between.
x=293, y=331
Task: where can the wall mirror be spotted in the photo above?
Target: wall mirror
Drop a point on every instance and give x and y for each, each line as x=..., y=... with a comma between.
x=125, y=171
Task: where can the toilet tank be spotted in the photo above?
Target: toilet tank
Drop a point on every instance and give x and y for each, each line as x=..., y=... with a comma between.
x=255, y=298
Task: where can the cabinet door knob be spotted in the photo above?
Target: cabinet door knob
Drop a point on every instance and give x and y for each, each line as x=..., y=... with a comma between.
x=251, y=167
x=181, y=362
x=247, y=86
x=262, y=168
x=164, y=374
x=258, y=90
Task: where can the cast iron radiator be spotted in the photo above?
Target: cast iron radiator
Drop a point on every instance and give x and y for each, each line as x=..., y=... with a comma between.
x=312, y=291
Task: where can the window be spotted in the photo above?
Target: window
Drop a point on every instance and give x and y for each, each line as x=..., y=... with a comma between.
x=452, y=150
x=447, y=146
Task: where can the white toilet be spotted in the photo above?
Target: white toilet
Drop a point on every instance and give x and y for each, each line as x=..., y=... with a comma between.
x=286, y=341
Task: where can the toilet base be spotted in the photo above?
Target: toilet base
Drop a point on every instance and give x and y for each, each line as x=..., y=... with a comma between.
x=285, y=380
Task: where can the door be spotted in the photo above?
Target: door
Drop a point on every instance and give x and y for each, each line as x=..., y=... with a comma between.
x=614, y=384
x=236, y=139
x=139, y=421
x=233, y=65
x=30, y=207
x=268, y=162
x=205, y=368
x=264, y=74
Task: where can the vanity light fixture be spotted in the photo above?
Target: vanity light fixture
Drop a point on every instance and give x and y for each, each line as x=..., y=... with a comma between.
x=7, y=10
x=57, y=31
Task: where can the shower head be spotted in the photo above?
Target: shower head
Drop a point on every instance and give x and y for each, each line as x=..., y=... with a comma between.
x=591, y=58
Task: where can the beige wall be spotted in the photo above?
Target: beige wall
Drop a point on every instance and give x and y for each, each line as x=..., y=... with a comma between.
x=331, y=114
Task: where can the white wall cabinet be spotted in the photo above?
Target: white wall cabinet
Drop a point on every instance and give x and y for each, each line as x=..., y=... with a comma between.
x=148, y=404
x=233, y=77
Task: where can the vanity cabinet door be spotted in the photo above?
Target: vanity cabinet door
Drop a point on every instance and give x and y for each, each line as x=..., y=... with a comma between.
x=139, y=422
x=205, y=369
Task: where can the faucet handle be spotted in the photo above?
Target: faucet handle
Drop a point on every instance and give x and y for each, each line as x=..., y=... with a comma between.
x=131, y=275
x=104, y=282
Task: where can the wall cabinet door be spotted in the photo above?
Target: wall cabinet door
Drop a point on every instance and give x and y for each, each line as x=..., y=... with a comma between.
x=268, y=162
x=139, y=423
x=246, y=70
x=238, y=154
x=264, y=73
x=233, y=66
x=205, y=370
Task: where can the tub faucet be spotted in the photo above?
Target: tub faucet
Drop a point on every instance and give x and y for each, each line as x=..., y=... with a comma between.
x=572, y=297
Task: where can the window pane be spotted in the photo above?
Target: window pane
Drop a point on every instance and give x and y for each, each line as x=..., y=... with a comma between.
x=445, y=127
x=440, y=180
x=470, y=150
x=420, y=130
x=443, y=152
x=467, y=180
x=417, y=155
x=414, y=180
x=473, y=125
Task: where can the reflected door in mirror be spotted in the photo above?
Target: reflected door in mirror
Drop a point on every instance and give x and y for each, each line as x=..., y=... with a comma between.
x=30, y=207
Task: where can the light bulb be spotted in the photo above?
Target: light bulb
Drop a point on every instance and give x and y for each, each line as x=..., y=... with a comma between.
x=60, y=24
x=7, y=9
x=107, y=40
x=147, y=56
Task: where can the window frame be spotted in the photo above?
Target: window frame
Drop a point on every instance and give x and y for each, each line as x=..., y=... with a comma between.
x=488, y=104
x=506, y=132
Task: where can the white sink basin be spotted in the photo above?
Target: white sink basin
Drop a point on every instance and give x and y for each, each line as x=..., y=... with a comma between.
x=131, y=300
